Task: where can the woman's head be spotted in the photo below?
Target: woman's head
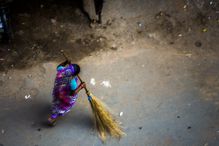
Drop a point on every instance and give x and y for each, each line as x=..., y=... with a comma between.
x=76, y=69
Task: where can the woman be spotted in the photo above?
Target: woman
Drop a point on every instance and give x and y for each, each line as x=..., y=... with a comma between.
x=65, y=90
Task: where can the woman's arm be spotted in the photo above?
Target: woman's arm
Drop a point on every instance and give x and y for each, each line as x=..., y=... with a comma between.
x=81, y=86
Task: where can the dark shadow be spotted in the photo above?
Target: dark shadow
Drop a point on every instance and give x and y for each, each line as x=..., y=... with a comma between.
x=41, y=28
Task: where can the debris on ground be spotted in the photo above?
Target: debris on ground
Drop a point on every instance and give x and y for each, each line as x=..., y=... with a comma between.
x=189, y=127
x=188, y=55
x=198, y=44
x=204, y=30
x=27, y=96
x=92, y=81
x=3, y=131
x=121, y=114
x=53, y=21
x=106, y=84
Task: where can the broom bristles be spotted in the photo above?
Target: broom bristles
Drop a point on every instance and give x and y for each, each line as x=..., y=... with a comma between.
x=104, y=120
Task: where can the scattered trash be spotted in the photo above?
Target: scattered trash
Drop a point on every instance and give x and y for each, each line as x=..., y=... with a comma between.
x=198, y=44
x=27, y=96
x=204, y=30
x=92, y=81
x=185, y=6
x=211, y=3
x=2, y=59
x=120, y=114
x=3, y=131
x=106, y=84
x=189, y=127
x=140, y=128
x=188, y=55
x=53, y=21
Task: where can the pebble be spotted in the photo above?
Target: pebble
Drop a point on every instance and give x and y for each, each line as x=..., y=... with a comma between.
x=204, y=30
x=198, y=44
x=53, y=21
x=180, y=35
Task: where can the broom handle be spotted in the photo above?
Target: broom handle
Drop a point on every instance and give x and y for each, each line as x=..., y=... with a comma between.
x=82, y=82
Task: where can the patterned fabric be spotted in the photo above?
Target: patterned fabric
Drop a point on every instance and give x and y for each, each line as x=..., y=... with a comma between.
x=63, y=101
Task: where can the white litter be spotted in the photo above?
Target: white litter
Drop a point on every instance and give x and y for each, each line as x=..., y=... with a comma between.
x=106, y=84
x=92, y=81
x=27, y=96
x=120, y=114
x=3, y=131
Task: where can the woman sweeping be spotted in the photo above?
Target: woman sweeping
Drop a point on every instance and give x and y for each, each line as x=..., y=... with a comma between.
x=65, y=90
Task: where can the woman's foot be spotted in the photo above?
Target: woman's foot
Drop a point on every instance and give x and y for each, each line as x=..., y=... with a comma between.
x=51, y=122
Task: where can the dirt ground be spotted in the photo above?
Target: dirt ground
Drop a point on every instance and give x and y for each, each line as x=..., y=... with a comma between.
x=161, y=58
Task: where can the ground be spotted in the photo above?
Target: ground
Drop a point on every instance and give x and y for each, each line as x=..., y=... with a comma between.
x=160, y=57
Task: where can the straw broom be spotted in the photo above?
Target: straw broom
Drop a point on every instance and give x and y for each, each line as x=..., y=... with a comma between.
x=104, y=120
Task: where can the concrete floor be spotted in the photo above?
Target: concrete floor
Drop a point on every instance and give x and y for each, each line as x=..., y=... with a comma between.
x=166, y=84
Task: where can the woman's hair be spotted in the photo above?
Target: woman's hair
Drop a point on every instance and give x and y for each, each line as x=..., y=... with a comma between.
x=76, y=69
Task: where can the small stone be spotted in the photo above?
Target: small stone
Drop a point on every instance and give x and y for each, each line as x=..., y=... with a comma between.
x=204, y=30
x=120, y=114
x=9, y=77
x=189, y=127
x=185, y=6
x=198, y=44
x=211, y=3
x=188, y=55
x=180, y=35
x=53, y=21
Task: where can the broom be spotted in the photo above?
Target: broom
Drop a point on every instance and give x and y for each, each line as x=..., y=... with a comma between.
x=104, y=120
